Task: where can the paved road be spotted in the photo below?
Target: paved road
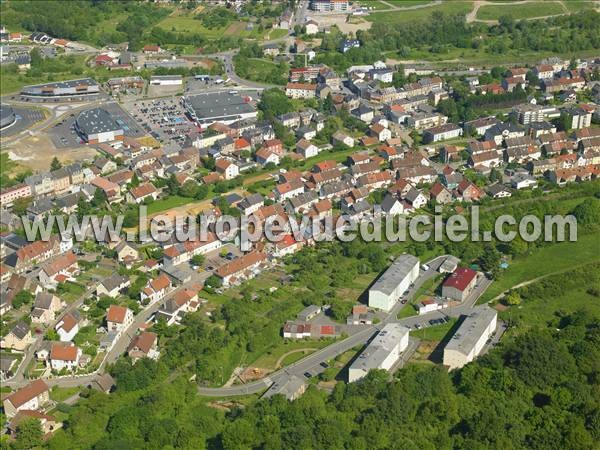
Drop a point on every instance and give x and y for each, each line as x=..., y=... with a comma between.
x=312, y=362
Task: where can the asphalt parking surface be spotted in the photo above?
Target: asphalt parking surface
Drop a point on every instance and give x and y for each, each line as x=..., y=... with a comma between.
x=25, y=118
x=63, y=134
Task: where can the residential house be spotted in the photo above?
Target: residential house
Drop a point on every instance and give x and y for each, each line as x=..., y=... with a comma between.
x=155, y=290
x=67, y=327
x=118, y=318
x=32, y=397
x=251, y=204
x=144, y=345
x=440, y=194
x=301, y=90
x=285, y=191
x=141, y=193
x=442, y=133
x=113, y=286
x=264, y=157
x=498, y=190
x=227, y=168
x=45, y=307
x=60, y=269
x=240, y=269
x=306, y=149
x=64, y=357
x=18, y=338
x=468, y=192
x=341, y=138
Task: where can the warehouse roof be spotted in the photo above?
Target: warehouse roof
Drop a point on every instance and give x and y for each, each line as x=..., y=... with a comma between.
x=97, y=120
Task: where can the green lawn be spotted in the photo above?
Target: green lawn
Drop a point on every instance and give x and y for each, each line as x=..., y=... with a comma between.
x=435, y=333
x=173, y=201
x=59, y=394
x=579, y=5
x=524, y=11
x=183, y=24
x=269, y=358
x=262, y=70
x=454, y=7
x=554, y=258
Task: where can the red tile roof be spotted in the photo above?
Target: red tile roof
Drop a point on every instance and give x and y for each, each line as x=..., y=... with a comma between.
x=63, y=352
x=116, y=314
x=460, y=278
x=32, y=390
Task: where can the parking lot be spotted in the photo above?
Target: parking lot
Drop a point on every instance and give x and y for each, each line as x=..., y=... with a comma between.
x=164, y=119
x=25, y=118
x=63, y=134
x=214, y=260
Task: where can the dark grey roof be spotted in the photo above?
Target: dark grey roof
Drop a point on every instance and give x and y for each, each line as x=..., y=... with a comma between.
x=251, y=200
x=20, y=330
x=388, y=203
x=43, y=300
x=218, y=104
x=115, y=280
x=6, y=362
x=96, y=120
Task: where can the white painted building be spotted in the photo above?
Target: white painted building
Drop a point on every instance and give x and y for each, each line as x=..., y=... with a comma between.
x=396, y=279
x=382, y=353
x=470, y=338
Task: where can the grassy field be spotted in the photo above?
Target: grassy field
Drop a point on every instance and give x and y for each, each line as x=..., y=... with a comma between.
x=259, y=69
x=172, y=201
x=59, y=394
x=563, y=256
x=436, y=333
x=455, y=7
x=186, y=24
x=524, y=11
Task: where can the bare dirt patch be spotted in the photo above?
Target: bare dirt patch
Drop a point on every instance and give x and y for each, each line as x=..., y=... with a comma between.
x=235, y=28
x=37, y=152
x=344, y=26
x=254, y=373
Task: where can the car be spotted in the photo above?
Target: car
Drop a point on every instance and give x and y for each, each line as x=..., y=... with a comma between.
x=417, y=326
x=404, y=301
x=324, y=365
x=432, y=322
x=308, y=374
x=210, y=268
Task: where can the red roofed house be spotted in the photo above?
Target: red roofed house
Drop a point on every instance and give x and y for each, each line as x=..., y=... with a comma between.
x=32, y=397
x=141, y=193
x=459, y=284
x=151, y=49
x=144, y=345
x=242, y=268
x=64, y=356
x=440, y=194
x=59, y=269
x=469, y=192
x=118, y=318
x=156, y=289
x=301, y=90
x=227, y=168
x=296, y=331
x=287, y=246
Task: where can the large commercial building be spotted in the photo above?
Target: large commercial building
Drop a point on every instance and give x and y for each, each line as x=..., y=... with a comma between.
x=98, y=125
x=7, y=116
x=84, y=87
x=470, y=338
x=224, y=107
x=382, y=353
x=396, y=279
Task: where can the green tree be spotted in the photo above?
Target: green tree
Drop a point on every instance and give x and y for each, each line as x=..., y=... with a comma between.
x=55, y=164
x=22, y=297
x=29, y=434
x=197, y=260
